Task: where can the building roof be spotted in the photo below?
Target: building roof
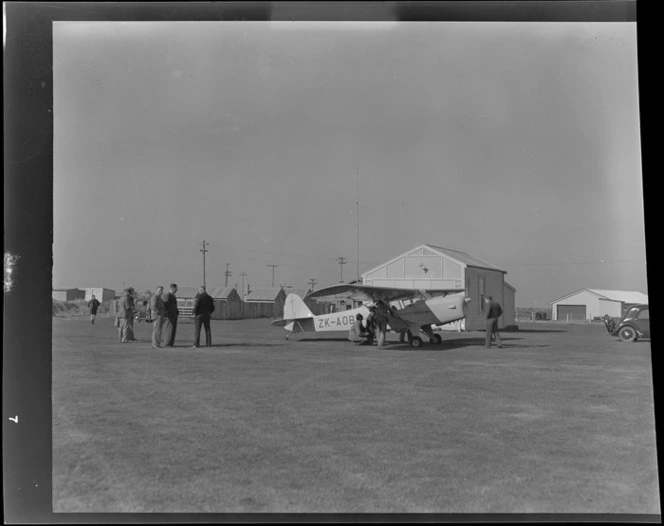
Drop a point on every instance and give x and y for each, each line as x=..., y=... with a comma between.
x=624, y=296
x=265, y=294
x=300, y=292
x=218, y=293
x=186, y=292
x=461, y=257
x=466, y=259
x=509, y=286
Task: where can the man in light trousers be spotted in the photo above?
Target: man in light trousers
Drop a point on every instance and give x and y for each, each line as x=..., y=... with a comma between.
x=157, y=308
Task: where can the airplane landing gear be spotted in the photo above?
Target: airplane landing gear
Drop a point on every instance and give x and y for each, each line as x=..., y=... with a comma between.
x=416, y=342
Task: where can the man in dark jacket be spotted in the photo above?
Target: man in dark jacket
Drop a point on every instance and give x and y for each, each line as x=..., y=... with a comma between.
x=94, y=305
x=493, y=312
x=157, y=309
x=203, y=308
x=172, y=312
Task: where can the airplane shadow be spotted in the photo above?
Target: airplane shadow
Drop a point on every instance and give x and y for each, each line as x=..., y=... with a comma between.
x=533, y=331
x=449, y=345
x=319, y=340
x=222, y=345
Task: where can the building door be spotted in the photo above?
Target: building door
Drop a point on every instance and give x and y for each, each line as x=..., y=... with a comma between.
x=571, y=312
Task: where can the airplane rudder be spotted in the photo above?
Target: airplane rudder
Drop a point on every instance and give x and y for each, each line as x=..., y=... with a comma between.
x=296, y=308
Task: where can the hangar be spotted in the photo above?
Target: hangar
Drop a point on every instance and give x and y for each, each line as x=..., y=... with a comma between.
x=432, y=267
x=586, y=304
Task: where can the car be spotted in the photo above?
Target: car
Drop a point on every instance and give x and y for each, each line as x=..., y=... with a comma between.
x=143, y=311
x=634, y=324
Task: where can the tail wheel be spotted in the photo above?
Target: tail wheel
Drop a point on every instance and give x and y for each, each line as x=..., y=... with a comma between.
x=627, y=334
x=416, y=342
x=437, y=339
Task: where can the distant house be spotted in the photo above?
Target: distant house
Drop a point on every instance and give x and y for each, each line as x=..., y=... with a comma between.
x=264, y=302
x=100, y=293
x=586, y=304
x=228, y=304
x=68, y=294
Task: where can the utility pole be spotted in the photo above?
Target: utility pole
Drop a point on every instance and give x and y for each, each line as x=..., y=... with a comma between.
x=273, y=267
x=204, y=250
x=243, y=274
x=312, y=282
x=227, y=274
x=342, y=262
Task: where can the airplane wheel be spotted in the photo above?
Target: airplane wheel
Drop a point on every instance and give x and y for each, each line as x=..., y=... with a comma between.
x=416, y=342
x=437, y=339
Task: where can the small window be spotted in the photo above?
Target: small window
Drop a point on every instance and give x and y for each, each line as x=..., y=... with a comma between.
x=644, y=314
x=632, y=313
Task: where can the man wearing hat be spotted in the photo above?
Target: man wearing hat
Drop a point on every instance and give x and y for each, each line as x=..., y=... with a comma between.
x=493, y=312
x=358, y=335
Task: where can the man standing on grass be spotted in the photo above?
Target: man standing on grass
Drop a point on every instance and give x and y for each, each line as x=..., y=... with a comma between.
x=203, y=308
x=380, y=321
x=94, y=305
x=157, y=308
x=126, y=316
x=493, y=312
x=171, y=308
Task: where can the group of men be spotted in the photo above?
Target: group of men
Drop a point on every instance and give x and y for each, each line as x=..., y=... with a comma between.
x=165, y=313
x=378, y=317
x=374, y=330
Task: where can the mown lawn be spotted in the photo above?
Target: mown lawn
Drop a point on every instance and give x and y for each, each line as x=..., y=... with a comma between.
x=559, y=421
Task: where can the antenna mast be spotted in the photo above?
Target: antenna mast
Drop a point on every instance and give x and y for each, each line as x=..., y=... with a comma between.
x=357, y=176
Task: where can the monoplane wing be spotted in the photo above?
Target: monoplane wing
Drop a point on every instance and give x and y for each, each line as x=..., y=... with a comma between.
x=371, y=293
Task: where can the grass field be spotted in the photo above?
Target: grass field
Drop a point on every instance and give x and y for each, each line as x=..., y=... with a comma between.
x=560, y=420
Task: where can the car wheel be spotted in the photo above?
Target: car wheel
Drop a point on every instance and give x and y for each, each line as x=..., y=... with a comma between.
x=627, y=334
x=437, y=339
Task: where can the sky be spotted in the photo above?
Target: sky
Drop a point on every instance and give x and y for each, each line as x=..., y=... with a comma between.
x=517, y=143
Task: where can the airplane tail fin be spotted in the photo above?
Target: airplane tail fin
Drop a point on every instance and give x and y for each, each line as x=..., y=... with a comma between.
x=295, y=308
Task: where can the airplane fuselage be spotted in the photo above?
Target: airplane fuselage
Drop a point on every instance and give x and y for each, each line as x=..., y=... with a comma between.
x=433, y=311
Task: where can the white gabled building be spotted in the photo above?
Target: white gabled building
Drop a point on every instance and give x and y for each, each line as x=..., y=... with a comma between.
x=431, y=267
x=586, y=304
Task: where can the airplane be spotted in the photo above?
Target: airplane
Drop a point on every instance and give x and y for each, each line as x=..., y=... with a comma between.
x=426, y=308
